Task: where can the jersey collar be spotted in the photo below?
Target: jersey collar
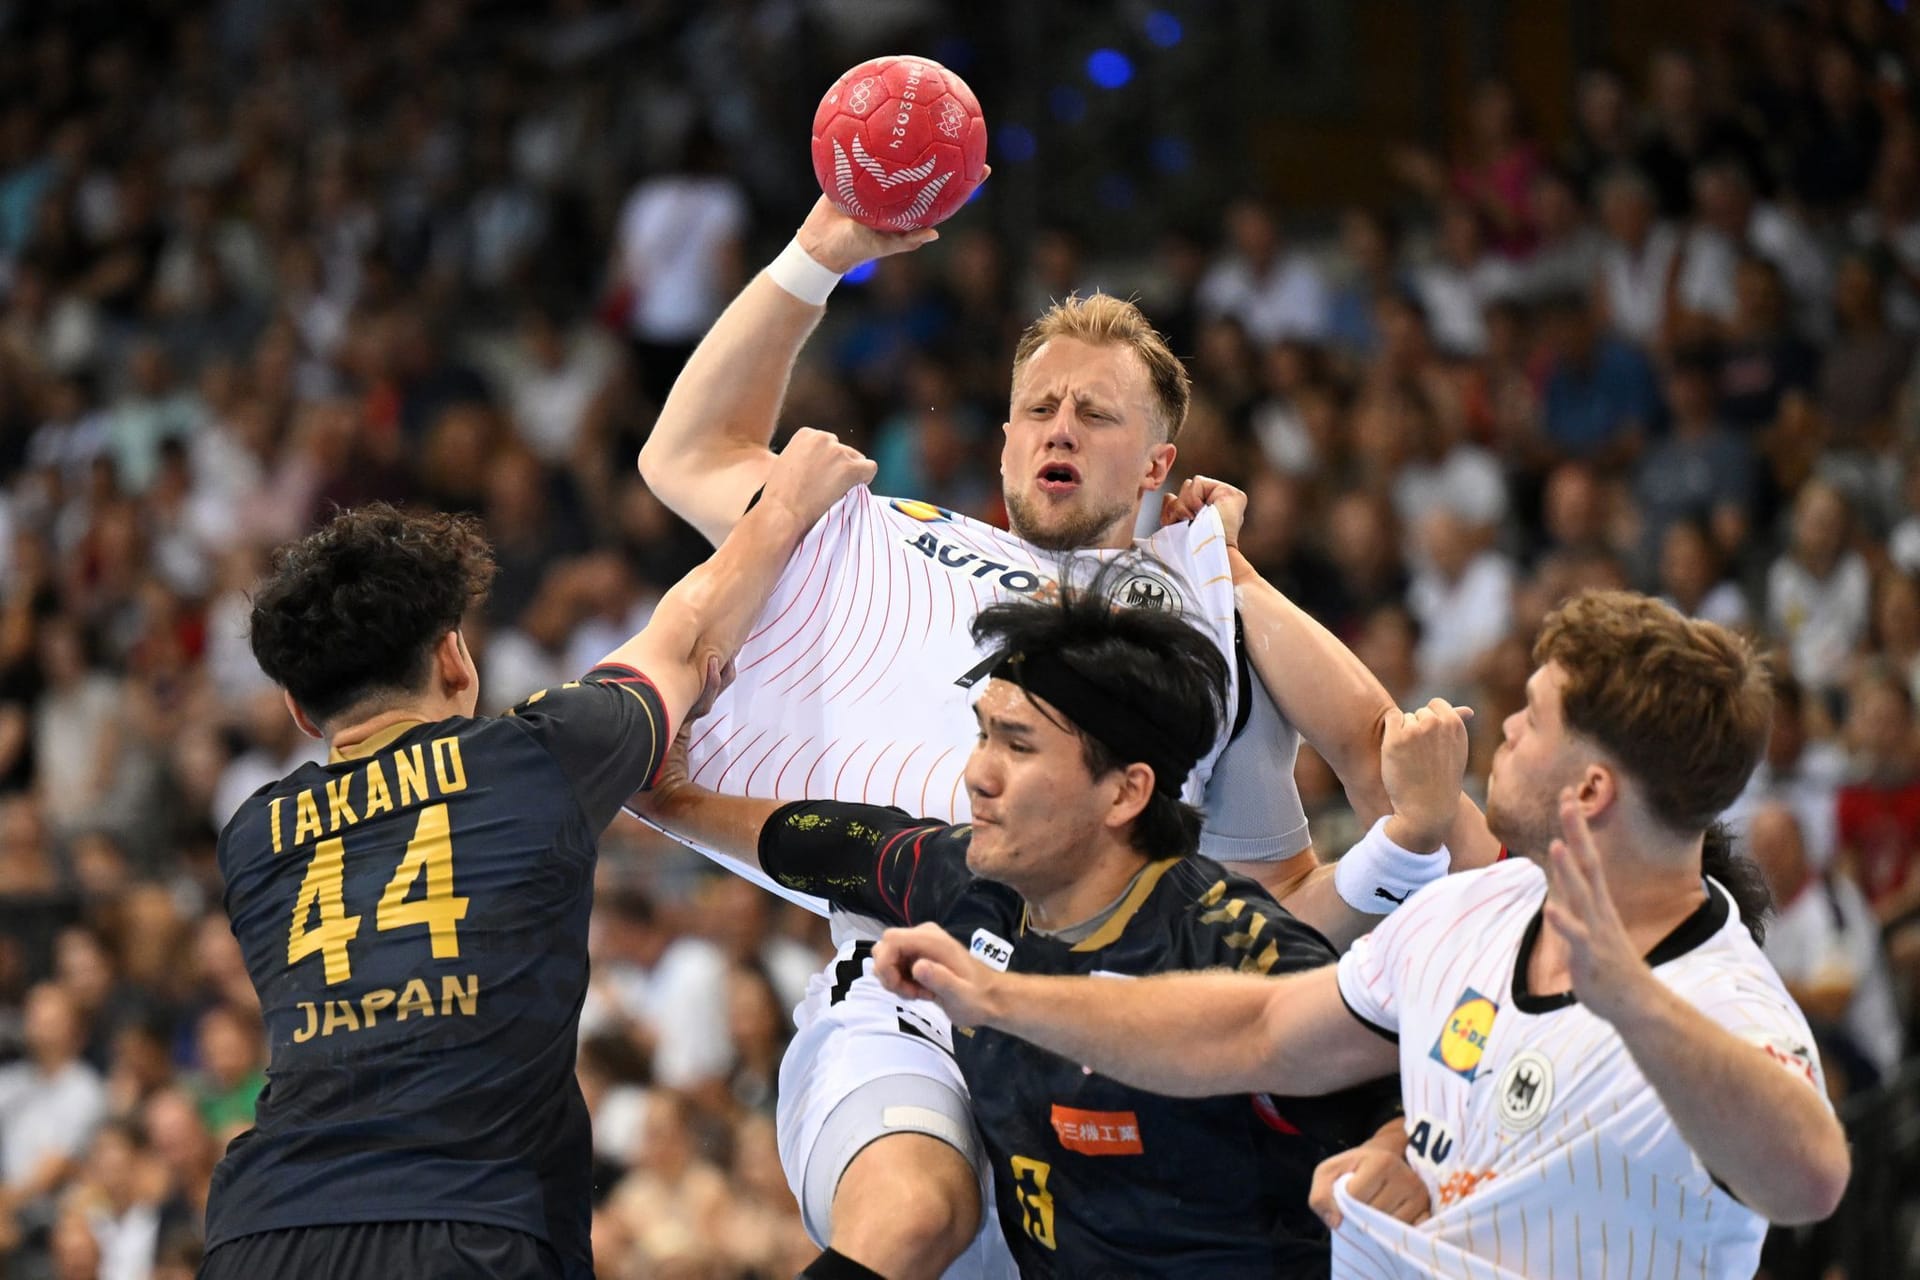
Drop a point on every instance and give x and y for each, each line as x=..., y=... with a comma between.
x=1705, y=921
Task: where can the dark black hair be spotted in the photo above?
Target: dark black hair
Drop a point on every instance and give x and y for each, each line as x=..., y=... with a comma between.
x=351, y=613
x=1740, y=876
x=1120, y=631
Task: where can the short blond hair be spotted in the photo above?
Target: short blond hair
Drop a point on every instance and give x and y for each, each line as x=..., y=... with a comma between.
x=1103, y=320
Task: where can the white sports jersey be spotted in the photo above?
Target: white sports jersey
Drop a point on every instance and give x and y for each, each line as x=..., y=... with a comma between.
x=1543, y=1147
x=848, y=688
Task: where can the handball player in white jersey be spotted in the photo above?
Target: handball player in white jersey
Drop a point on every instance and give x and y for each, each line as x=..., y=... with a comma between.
x=855, y=687
x=1601, y=1073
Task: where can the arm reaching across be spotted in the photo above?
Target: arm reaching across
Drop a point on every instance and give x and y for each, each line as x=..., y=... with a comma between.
x=701, y=623
x=709, y=450
x=1290, y=1035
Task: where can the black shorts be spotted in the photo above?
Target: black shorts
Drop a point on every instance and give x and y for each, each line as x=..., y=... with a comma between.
x=378, y=1250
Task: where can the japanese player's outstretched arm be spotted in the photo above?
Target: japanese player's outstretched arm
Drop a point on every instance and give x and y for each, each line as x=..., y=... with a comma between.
x=1190, y=1035
x=709, y=451
x=703, y=620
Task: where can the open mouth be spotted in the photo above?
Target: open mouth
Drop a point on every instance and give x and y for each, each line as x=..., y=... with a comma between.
x=1058, y=479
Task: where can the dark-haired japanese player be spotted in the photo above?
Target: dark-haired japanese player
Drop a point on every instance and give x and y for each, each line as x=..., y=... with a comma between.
x=413, y=913
x=1080, y=859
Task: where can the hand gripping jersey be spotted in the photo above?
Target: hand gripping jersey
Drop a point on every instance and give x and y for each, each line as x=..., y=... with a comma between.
x=850, y=688
x=1543, y=1147
x=1093, y=1177
x=413, y=915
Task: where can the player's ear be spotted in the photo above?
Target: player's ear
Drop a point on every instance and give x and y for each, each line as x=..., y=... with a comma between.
x=454, y=664
x=1599, y=790
x=1134, y=788
x=301, y=718
x=1160, y=464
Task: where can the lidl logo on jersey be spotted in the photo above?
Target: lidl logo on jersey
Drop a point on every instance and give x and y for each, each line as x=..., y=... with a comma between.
x=1463, y=1036
x=926, y=512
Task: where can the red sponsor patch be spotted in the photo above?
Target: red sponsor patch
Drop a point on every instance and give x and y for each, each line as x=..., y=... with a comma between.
x=1097, y=1133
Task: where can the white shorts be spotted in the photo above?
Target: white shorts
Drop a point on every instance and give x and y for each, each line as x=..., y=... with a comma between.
x=865, y=1064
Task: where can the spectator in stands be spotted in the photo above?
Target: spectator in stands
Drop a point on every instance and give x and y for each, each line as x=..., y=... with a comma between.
x=1274, y=292
x=1819, y=590
x=50, y=1104
x=1825, y=943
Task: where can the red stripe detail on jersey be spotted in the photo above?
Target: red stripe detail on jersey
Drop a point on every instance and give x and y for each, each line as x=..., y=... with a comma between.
x=785, y=737
x=878, y=635
x=818, y=596
x=845, y=626
x=870, y=768
x=717, y=750
x=719, y=783
x=666, y=717
x=819, y=544
x=1270, y=1115
x=880, y=870
x=848, y=582
x=895, y=797
x=913, y=877
x=931, y=769
x=887, y=622
x=782, y=776
x=1505, y=853
x=837, y=793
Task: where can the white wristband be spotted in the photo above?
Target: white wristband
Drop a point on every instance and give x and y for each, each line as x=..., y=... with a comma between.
x=1377, y=875
x=796, y=272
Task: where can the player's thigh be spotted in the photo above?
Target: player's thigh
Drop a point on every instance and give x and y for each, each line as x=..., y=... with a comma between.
x=416, y=1250
x=907, y=1205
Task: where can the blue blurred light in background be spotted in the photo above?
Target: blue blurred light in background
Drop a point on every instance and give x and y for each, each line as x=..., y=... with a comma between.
x=1109, y=68
x=1163, y=28
x=1171, y=154
x=1015, y=142
x=976, y=192
x=1114, y=191
x=956, y=54
x=860, y=274
x=1068, y=105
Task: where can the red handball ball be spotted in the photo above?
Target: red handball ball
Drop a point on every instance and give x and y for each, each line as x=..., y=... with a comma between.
x=899, y=143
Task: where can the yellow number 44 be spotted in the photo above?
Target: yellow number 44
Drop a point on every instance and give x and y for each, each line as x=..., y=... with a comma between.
x=1030, y=1188
x=430, y=851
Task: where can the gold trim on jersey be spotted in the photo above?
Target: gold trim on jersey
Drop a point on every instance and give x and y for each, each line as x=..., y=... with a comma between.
x=368, y=745
x=1109, y=932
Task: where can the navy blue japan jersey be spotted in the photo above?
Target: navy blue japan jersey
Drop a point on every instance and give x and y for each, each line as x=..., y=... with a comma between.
x=1096, y=1178
x=413, y=915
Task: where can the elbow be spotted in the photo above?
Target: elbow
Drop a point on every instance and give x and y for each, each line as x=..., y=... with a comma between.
x=1821, y=1186
x=1828, y=1182
x=653, y=467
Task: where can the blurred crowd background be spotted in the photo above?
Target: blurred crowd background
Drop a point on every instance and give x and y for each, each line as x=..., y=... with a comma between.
x=1484, y=304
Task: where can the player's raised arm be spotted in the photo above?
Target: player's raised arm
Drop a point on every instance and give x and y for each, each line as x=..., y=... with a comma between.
x=1752, y=1109
x=709, y=451
x=1185, y=1035
x=702, y=621
x=1319, y=685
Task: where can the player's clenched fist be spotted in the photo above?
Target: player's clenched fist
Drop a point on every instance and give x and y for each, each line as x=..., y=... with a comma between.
x=1423, y=755
x=928, y=963
x=813, y=472
x=1381, y=1179
x=1201, y=492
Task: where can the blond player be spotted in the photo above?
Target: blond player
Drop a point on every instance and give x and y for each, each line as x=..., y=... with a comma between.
x=856, y=687
x=1602, y=1076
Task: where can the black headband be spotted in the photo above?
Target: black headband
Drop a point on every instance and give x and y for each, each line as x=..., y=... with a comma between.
x=1123, y=725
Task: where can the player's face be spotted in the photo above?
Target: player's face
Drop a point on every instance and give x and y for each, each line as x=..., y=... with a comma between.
x=1037, y=810
x=1082, y=446
x=1536, y=758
